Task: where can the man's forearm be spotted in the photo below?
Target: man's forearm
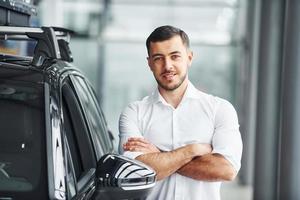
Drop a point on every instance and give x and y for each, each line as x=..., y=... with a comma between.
x=209, y=167
x=167, y=163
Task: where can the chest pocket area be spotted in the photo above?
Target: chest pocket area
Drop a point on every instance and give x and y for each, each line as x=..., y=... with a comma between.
x=194, y=129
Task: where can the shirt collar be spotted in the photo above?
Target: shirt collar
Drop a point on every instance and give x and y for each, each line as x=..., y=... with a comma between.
x=190, y=93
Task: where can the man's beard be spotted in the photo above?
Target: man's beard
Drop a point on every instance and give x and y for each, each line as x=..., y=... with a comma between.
x=172, y=87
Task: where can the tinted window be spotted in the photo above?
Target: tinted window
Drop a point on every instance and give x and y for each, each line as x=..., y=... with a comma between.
x=81, y=150
x=95, y=120
x=71, y=174
x=22, y=140
x=81, y=154
x=72, y=141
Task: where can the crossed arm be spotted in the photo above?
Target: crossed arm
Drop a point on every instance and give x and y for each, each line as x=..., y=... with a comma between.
x=193, y=160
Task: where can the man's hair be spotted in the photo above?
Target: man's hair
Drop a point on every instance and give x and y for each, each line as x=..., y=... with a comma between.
x=166, y=32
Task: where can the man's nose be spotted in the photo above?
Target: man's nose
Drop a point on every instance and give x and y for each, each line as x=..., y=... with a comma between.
x=168, y=64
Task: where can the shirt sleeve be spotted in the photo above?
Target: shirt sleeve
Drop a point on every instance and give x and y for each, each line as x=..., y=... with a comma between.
x=128, y=127
x=227, y=139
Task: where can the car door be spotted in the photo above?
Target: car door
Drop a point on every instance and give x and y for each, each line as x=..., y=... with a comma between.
x=79, y=152
x=87, y=140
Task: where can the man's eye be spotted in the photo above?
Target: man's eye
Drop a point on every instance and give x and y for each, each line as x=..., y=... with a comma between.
x=174, y=57
x=157, y=58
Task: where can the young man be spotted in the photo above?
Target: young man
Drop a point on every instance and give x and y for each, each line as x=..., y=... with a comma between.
x=190, y=138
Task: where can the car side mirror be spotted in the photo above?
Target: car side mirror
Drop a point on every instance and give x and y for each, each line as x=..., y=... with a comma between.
x=118, y=177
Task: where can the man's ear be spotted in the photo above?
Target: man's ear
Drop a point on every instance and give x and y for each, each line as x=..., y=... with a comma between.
x=149, y=63
x=190, y=57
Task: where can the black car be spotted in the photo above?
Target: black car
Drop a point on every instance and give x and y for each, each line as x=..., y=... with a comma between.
x=54, y=141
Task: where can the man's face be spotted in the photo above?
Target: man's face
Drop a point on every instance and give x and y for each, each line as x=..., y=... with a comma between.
x=169, y=61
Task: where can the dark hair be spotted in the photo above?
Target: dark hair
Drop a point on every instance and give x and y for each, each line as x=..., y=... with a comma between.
x=166, y=32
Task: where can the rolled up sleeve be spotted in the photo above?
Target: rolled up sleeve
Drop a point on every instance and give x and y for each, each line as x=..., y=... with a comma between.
x=227, y=138
x=128, y=127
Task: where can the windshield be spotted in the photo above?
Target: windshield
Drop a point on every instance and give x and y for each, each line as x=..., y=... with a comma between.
x=22, y=140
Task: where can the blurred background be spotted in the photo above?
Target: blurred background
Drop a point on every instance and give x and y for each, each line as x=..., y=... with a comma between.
x=246, y=51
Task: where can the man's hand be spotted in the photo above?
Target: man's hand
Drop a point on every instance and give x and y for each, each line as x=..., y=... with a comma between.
x=140, y=145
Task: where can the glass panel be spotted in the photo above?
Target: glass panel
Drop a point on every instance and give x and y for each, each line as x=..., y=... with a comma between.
x=73, y=144
x=22, y=140
x=86, y=62
x=105, y=133
x=95, y=122
x=71, y=183
x=214, y=70
x=78, y=135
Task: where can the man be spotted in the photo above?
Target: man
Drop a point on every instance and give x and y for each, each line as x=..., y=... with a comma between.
x=191, y=139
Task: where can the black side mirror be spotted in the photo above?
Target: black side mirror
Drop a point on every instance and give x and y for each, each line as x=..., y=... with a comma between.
x=118, y=177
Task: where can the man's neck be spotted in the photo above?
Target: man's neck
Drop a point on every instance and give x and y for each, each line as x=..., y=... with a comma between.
x=174, y=97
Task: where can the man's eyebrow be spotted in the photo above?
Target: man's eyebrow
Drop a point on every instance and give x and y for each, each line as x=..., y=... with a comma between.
x=156, y=55
x=175, y=52
x=159, y=54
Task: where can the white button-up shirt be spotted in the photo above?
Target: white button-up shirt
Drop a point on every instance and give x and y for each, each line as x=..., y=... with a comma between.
x=199, y=118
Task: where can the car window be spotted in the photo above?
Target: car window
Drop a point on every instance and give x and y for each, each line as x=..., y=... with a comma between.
x=72, y=141
x=70, y=172
x=96, y=122
x=107, y=133
x=22, y=140
x=82, y=153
